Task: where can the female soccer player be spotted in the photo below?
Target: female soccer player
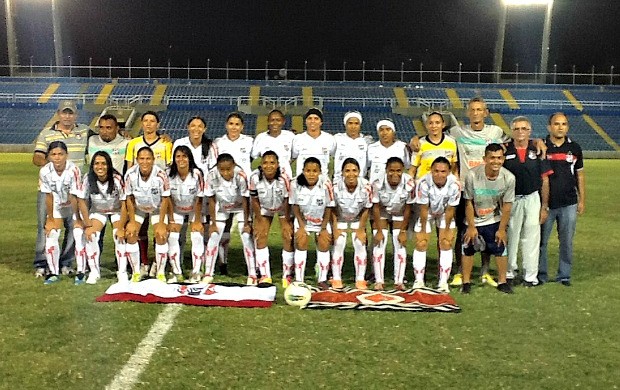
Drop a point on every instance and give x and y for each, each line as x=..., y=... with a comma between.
x=102, y=197
x=275, y=139
x=147, y=189
x=227, y=190
x=269, y=190
x=392, y=198
x=353, y=198
x=58, y=179
x=202, y=147
x=312, y=199
x=186, y=192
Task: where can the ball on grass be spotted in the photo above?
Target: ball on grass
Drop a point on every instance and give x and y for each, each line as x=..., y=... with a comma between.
x=297, y=294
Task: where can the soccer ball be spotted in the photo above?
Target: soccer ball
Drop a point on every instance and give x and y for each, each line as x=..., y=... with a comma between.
x=297, y=294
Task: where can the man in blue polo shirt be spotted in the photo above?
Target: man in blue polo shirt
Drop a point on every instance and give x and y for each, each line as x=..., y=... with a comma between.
x=531, y=192
x=567, y=195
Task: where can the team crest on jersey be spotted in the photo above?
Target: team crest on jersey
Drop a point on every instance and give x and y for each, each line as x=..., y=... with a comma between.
x=286, y=147
x=569, y=157
x=361, y=147
x=154, y=191
x=78, y=136
x=192, y=191
x=242, y=150
x=319, y=202
x=324, y=150
x=532, y=155
x=278, y=192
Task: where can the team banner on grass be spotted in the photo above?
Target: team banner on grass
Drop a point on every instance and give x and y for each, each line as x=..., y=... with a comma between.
x=423, y=300
x=221, y=294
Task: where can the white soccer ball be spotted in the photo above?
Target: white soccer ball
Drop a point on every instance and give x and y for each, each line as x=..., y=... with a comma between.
x=297, y=294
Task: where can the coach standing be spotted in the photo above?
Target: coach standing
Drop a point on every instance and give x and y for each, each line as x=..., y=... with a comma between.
x=567, y=195
x=531, y=205
x=75, y=137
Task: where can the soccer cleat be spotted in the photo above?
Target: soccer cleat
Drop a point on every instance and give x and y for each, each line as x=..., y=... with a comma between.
x=337, y=284
x=144, y=271
x=399, y=287
x=93, y=277
x=39, y=273
x=51, y=280
x=161, y=277
x=122, y=277
x=488, y=279
x=287, y=281
x=265, y=279
x=207, y=279
x=443, y=287
x=251, y=281
x=79, y=279
x=379, y=287
x=505, y=288
x=67, y=270
x=418, y=284
x=466, y=288
x=153, y=270
x=194, y=278
x=457, y=280
x=136, y=277
x=323, y=286
x=361, y=285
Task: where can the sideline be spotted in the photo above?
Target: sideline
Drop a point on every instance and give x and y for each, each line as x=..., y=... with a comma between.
x=130, y=373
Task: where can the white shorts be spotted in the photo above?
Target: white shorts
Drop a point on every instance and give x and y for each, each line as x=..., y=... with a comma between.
x=180, y=218
x=311, y=228
x=103, y=218
x=62, y=212
x=392, y=218
x=141, y=216
x=348, y=225
x=437, y=220
x=222, y=216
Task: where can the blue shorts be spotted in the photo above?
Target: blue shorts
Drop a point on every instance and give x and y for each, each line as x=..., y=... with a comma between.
x=487, y=233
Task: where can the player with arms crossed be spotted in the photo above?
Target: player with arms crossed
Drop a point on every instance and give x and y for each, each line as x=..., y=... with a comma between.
x=438, y=194
x=351, y=144
x=277, y=140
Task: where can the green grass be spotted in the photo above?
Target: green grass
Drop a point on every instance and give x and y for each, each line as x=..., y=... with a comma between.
x=550, y=337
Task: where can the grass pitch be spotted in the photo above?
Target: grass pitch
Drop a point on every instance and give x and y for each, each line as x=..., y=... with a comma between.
x=549, y=337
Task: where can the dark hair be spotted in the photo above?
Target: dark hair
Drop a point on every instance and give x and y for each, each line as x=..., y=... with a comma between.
x=556, y=114
x=225, y=157
x=394, y=160
x=93, y=188
x=146, y=148
x=435, y=113
x=276, y=111
x=235, y=114
x=493, y=148
x=57, y=144
x=301, y=179
x=174, y=170
x=205, y=141
x=350, y=160
x=150, y=113
x=441, y=160
x=260, y=168
x=108, y=117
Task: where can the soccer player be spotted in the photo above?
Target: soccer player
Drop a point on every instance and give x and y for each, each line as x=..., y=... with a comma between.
x=74, y=136
x=227, y=190
x=101, y=198
x=387, y=147
x=313, y=143
x=276, y=139
x=269, y=191
x=202, y=147
x=186, y=193
x=57, y=179
x=433, y=145
x=351, y=144
x=392, y=197
x=353, y=200
x=531, y=192
x=438, y=193
x=312, y=199
x=567, y=196
x=489, y=191
x=147, y=189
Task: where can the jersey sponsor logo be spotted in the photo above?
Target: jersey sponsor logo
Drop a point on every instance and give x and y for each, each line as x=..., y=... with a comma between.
x=485, y=211
x=319, y=202
x=486, y=191
x=532, y=155
x=154, y=191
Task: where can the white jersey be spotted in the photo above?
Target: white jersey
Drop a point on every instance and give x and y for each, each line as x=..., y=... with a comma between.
x=282, y=145
x=183, y=193
x=204, y=163
x=438, y=198
x=273, y=195
x=471, y=144
x=147, y=193
x=60, y=185
x=347, y=147
x=240, y=149
x=349, y=205
x=393, y=200
x=313, y=201
x=379, y=154
x=103, y=202
x=321, y=147
x=228, y=194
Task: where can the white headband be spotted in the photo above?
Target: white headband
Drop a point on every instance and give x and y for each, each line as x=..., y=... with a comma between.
x=352, y=114
x=386, y=122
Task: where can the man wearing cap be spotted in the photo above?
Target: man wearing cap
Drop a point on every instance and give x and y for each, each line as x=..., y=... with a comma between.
x=313, y=143
x=351, y=144
x=74, y=136
x=387, y=146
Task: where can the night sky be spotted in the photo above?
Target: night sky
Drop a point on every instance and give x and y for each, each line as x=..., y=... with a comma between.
x=584, y=33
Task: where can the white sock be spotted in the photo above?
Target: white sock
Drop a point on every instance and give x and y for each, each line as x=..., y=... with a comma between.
x=288, y=262
x=378, y=257
x=445, y=265
x=93, y=253
x=300, y=264
x=419, y=264
x=52, y=251
x=119, y=248
x=322, y=258
x=198, y=251
x=174, y=252
x=161, y=258
x=80, y=250
x=133, y=256
x=223, y=248
x=360, y=254
x=400, y=258
x=248, y=253
x=262, y=261
x=338, y=256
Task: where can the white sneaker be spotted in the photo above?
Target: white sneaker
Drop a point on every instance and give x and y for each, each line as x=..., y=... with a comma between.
x=92, y=278
x=207, y=280
x=418, y=284
x=443, y=287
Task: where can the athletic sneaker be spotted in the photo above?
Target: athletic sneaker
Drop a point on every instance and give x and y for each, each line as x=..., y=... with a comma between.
x=161, y=278
x=466, y=288
x=251, y=281
x=337, y=283
x=287, y=281
x=265, y=279
x=136, y=277
x=79, y=279
x=207, y=279
x=488, y=279
x=194, y=277
x=457, y=280
x=361, y=285
x=505, y=288
x=39, y=273
x=418, y=284
x=93, y=277
x=51, y=280
x=443, y=287
x=67, y=270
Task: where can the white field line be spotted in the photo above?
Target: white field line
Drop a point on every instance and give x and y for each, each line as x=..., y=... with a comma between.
x=129, y=374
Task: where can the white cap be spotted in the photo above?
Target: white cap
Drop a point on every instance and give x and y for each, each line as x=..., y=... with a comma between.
x=386, y=122
x=352, y=114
